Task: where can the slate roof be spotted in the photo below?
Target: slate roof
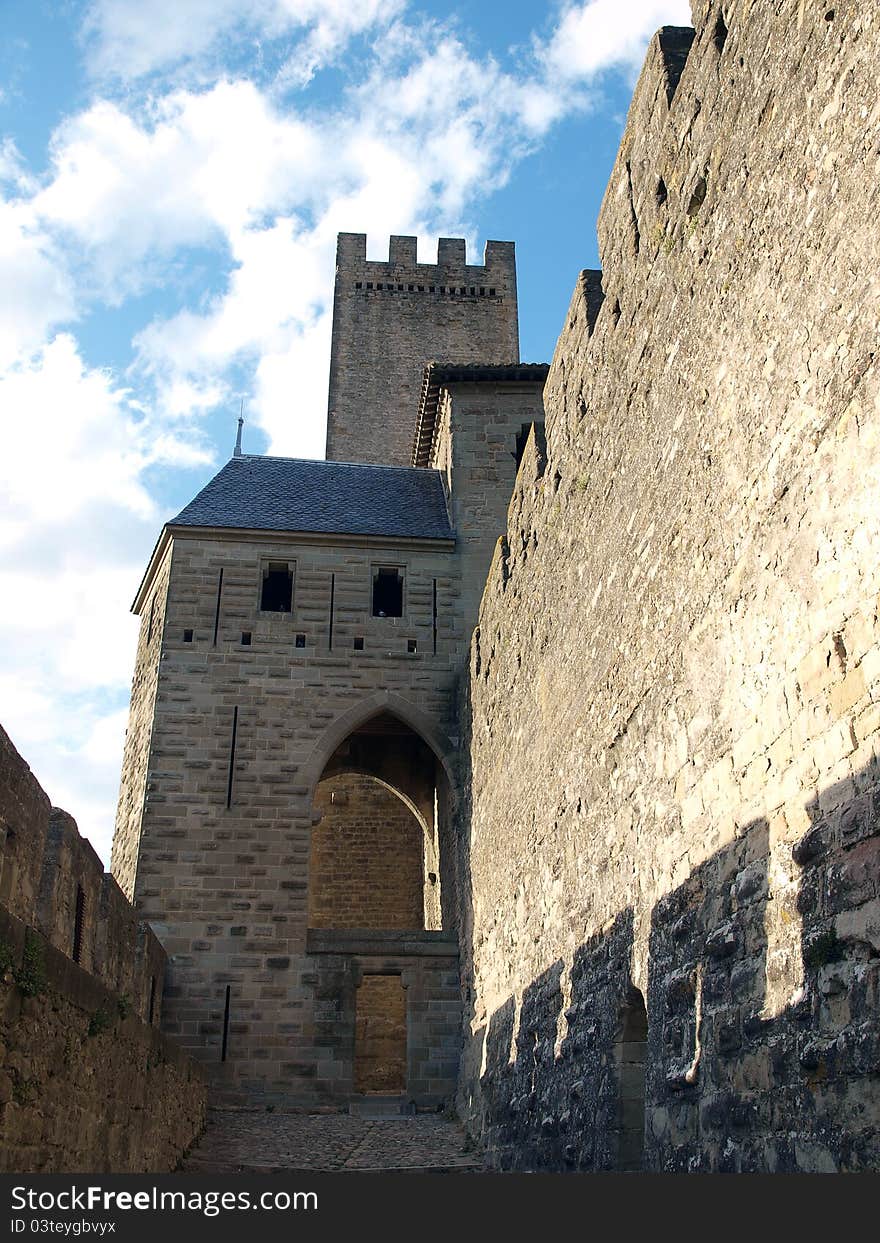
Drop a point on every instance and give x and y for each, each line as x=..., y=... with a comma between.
x=331, y=498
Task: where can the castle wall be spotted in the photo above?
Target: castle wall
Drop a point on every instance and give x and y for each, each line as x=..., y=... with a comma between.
x=133, y=781
x=87, y=1082
x=674, y=695
x=475, y=448
x=225, y=832
x=389, y=319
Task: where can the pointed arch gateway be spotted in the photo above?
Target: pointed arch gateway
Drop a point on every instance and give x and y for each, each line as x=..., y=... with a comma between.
x=381, y=784
x=381, y=899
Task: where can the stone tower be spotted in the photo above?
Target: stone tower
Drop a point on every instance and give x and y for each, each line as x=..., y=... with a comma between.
x=288, y=803
x=390, y=318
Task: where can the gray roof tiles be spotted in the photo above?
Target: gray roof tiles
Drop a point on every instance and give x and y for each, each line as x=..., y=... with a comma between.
x=331, y=498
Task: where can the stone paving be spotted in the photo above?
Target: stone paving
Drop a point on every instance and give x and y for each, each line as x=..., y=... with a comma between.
x=239, y=1141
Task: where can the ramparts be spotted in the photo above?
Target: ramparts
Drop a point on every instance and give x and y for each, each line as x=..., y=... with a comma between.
x=673, y=719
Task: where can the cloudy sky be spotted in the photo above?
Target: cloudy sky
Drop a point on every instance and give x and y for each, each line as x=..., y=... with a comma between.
x=173, y=174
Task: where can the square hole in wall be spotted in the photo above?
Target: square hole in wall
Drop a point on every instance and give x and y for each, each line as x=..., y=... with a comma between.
x=276, y=591
x=245, y=638
x=387, y=591
x=359, y=644
x=300, y=640
x=187, y=636
x=411, y=645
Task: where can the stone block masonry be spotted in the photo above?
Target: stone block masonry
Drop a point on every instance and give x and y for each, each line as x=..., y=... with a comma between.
x=87, y=1082
x=671, y=719
x=390, y=318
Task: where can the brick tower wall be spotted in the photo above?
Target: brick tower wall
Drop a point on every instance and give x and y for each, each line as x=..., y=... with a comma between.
x=389, y=319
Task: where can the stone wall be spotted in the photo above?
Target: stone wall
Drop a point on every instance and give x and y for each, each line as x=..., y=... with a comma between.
x=366, y=868
x=390, y=318
x=674, y=696
x=87, y=1083
x=475, y=447
x=86, y=1086
x=138, y=735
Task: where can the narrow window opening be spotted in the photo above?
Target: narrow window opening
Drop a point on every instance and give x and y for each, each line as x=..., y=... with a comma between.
x=359, y=644
x=150, y=621
x=358, y=284
x=491, y=293
x=217, y=609
x=300, y=640
x=187, y=636
x=330, y=627
x=522, y=439
x=434, y=616
x=245, y=638
x=78, y=920
x=411, y=645
x=631, y=1057
x=277, y=593
x=388, y=592
x=231, y=757
x=698, y=197
x=719, y=36
x=226, y=1024
x=151, y=1004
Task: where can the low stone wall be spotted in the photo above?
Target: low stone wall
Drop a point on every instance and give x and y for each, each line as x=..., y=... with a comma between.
x=85, y=1084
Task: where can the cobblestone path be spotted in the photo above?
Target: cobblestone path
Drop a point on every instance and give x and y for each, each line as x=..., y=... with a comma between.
x=238, y=1141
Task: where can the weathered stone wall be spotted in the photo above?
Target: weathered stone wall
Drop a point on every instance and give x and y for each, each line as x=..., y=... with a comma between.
x=85, y=1084
x=133, y=783
x=475, y=449
x=674, y=693
x=24, y=823
x=86, y=1080
x=389, y=319
x=366, y=868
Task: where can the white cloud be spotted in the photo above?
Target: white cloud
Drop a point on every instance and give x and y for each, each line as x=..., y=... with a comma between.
x=79, y=523
x=128, y=39
x=38, y=292
x=591, y=38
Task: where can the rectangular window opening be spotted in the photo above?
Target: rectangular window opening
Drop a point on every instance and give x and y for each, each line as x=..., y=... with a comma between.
x=359, y=644
x=276, y=595
x=187, y=636
x=300, y=640
x=245, y=638
x=411, y=645
x=388, y=592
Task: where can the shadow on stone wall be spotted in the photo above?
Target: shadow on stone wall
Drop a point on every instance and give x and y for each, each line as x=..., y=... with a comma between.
x=729, y=1085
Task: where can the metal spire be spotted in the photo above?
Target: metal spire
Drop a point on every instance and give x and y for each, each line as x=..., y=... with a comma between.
x=236, y=452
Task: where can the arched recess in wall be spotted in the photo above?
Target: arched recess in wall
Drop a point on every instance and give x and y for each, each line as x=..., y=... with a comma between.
x=372, y=859
x=631, y=1055
x=381, y=774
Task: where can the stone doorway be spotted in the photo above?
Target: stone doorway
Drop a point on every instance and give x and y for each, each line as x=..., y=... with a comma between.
x=380, y=1036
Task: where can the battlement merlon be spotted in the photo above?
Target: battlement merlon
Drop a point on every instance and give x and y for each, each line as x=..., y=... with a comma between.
x=498, y=267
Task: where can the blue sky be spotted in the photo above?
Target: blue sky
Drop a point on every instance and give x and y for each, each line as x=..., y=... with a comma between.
x=172, y=178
